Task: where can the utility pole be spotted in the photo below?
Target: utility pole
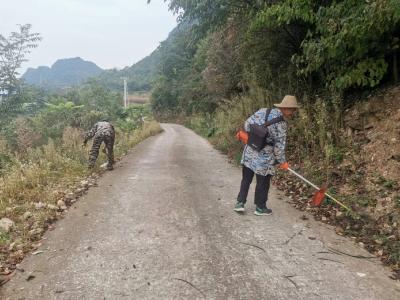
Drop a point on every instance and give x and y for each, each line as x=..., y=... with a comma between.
x=125, y=93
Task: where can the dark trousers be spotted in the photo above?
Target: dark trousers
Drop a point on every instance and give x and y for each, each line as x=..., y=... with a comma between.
x=262, y=187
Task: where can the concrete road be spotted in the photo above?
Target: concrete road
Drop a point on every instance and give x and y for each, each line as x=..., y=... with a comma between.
x=161, y=226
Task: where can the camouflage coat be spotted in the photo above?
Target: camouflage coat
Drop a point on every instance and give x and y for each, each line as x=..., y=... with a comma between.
x=101, y=132
x=264, y=161
x=104, y=129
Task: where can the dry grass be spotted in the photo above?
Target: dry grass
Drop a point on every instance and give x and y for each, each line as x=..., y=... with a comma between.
x=32, y=188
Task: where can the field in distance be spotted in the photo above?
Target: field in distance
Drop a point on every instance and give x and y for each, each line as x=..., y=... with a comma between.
x=141, y=98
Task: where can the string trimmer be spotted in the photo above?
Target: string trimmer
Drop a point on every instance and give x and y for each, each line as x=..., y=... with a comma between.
x=320, y=194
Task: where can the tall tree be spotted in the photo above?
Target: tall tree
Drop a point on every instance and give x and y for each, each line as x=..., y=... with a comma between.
x=13, y=50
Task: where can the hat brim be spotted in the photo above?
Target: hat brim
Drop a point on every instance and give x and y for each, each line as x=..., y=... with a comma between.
x=286, y=106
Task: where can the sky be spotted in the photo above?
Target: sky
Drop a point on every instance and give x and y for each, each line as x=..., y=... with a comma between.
x=110, y=33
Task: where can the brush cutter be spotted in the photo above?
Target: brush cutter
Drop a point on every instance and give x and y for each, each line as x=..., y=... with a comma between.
x=320, y=194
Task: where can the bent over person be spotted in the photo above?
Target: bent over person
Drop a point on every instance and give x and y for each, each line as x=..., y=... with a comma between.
x=101, y=132
x=262, y=162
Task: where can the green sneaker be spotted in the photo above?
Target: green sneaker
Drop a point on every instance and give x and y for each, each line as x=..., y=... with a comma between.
x=263, y=211
x=239, y=207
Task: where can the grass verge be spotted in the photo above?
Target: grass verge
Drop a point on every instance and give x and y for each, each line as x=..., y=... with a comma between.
x=39, y=187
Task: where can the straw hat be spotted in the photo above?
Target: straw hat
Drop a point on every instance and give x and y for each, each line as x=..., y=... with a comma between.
x=288, y=102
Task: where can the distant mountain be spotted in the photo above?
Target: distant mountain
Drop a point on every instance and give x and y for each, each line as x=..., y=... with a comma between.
x=139, y=76
x=62, y=74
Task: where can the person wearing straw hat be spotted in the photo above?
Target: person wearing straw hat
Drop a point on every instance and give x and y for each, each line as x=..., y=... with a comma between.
x=263, y=162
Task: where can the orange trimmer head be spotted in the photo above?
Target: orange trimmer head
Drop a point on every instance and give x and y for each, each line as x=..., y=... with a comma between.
x=318, y=197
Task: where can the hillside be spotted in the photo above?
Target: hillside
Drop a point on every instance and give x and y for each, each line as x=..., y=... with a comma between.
x=139, y=76
x=142, y=75
x=62, y=74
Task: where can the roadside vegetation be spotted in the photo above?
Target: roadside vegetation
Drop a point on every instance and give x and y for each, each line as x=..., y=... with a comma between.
x=226, y=59
x=43, y=166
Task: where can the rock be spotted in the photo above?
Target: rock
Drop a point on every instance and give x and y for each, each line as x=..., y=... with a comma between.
x=323, y=219
x=39, y=205
x=37, y=245
x=387, y=229
x=11, y=247
x=6, y=224
x=379, y=242
x=80, y=191
x=339, y=214
x=85, y=183
x=19, y=268
x=36, y=231
x=51, y=206
x=380, y=252
x=339, y=230
x=361, y=244
x=69, y=196
x=27, y=215
x=60, y=203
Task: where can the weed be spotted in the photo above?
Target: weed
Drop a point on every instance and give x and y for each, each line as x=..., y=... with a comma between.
x=394, y=252
x=387, y=183
x=397, y=201
x=4, y=238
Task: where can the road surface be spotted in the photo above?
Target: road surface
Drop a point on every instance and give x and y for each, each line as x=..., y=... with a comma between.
x=161, y=226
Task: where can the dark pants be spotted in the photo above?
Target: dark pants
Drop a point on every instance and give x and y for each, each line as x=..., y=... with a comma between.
x=94, y=152
x=262, y=187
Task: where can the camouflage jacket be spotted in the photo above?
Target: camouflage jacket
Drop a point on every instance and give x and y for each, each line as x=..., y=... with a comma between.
x=263, y=162
x=100, y=129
